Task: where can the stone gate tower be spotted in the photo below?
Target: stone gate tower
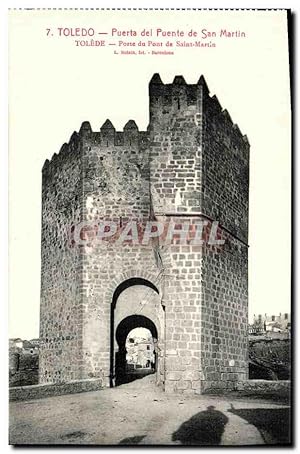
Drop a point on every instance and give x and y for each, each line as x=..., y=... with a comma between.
x=191, y=165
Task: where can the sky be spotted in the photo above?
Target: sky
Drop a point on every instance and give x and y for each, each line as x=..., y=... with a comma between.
x=55, y=85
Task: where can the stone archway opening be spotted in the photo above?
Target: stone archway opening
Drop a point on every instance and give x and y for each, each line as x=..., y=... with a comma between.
x=130, y=365
x=136, y=304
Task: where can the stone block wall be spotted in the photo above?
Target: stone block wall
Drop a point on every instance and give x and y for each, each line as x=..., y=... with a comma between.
x=175, y=145
x=116, y=188
x=60, y=307
x=224, y=314
x=41, y=391
x=224, y=169
x=181, y=298
x=224, y=281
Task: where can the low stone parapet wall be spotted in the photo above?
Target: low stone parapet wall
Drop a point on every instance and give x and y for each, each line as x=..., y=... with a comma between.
x=263, y=386
x=49, y=390
x=254, y=388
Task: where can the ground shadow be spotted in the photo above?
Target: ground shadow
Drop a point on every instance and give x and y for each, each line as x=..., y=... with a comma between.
x=132, y=440
x=204, y=428
x=126, y=377
x=273, y=424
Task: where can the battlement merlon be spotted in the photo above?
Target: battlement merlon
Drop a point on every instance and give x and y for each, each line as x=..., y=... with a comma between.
x=157, y=87
x=175, y=97
x=164, y=99
x=108, y=136
x=167, y=98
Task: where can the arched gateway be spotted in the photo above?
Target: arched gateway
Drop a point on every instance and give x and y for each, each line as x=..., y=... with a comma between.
x=128, y=324
x=191, y=166
x=136, y=304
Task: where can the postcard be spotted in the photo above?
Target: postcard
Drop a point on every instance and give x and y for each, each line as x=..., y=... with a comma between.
x=150, y=218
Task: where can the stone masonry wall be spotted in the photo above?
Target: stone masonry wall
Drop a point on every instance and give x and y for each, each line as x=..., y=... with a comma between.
x=60, y=307
x=224, y=315
x=224, y=283
x=175, y=142
x=182, y=303
x=115, y=187
x=175, y=165
x=225, y=169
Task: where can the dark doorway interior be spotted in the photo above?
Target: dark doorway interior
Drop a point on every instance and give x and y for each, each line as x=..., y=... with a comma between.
x=123, y=374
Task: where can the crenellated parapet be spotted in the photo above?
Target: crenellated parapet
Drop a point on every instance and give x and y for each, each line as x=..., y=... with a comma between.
x=166, y=102
x=130, y=136
x=67, y=153
x=220, y=121
x=180, y=98
x=177, y=98
x=108, y=136
x=178, y=93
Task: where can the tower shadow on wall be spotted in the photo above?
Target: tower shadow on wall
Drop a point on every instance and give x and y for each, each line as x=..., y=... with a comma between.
x=204, y=428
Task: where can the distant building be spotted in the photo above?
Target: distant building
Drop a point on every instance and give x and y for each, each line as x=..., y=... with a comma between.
x=140, y=353
x=23, y=362
x=29, y=347
x=270, y=324
x=15, y=343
